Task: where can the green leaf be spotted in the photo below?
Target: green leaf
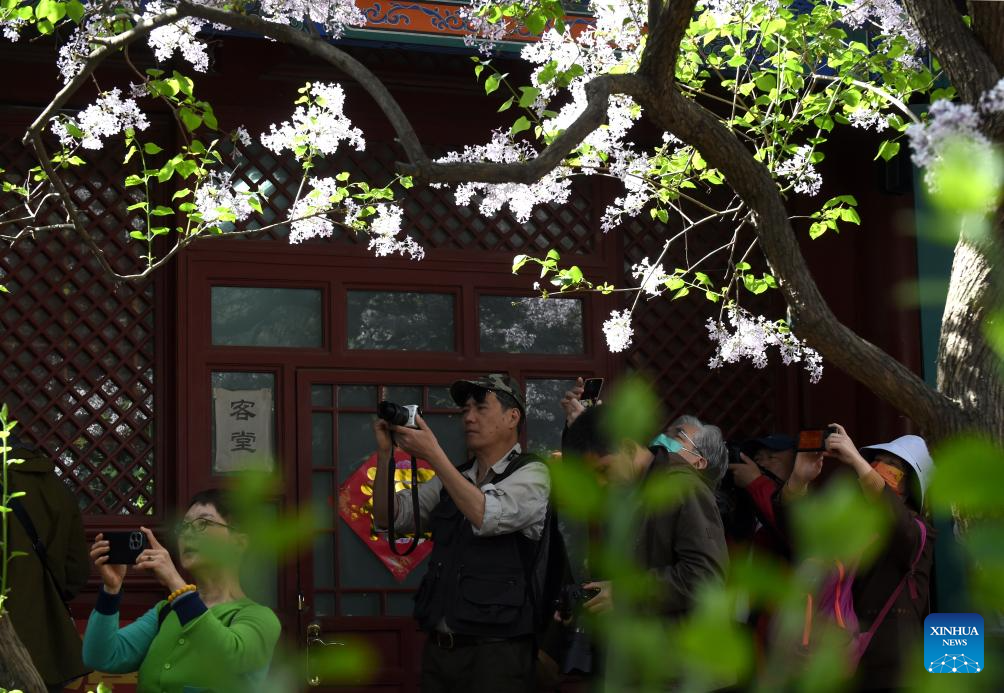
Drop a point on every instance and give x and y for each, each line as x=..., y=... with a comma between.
x=151, y=148
x=839, y=523
x=575, y=488
x=161, y=211
x=492, y=83
x=184, y=192
x=133, y=180
x=210, y=119
x=138, y=235
x=522, y=123
x=507, y=105
x=528, y=97
x=191, y=119
x=887, y=150
x=681, y=293
x=75, y=11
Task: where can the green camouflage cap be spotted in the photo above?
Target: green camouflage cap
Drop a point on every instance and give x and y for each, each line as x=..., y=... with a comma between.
x=460, y=390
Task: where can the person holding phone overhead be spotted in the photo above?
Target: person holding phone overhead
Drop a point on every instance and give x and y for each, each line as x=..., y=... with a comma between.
x=205, y=635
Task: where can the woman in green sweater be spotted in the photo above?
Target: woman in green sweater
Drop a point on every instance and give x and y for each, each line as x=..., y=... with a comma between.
x=206, y=636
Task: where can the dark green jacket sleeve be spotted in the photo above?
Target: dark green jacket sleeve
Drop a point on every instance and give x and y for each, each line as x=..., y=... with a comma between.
x=686, y=549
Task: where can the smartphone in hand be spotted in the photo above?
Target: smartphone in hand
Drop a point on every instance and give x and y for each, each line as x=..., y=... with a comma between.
x=814, y=439
x=591, y=391
x=125, y=547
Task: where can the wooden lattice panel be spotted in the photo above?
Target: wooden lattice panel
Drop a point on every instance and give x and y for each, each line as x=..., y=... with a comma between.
x=78, y=349
x=431, y=215
x=672, y=348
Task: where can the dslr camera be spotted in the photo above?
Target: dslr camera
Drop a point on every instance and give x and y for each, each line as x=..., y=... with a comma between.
x=399, y=414
x=571, y=598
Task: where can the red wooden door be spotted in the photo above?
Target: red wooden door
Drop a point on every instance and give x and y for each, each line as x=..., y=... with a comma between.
x=350, y=594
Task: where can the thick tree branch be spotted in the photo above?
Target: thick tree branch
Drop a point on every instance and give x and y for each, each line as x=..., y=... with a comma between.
x=970, y=68
x=658, y=62
x=598, y=93
x=320, y=48
x=813, y=320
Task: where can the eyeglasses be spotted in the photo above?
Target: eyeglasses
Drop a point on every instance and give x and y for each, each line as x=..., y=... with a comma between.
x=682, y=432
x=196, y=526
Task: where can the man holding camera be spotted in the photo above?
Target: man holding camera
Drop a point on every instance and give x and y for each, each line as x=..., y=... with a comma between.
x=486, y=518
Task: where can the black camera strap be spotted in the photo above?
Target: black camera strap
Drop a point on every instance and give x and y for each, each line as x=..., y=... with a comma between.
x=416, y=509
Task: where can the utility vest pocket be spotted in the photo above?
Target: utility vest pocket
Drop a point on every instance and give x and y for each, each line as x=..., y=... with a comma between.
x=490, y=599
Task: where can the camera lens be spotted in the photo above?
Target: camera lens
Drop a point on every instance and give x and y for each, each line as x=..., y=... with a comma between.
x=392, y=413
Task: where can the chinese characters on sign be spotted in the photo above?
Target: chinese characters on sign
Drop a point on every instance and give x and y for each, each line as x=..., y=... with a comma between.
x=244, y=432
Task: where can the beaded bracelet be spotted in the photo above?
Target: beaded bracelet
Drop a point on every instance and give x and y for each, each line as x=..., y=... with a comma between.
x=180, y=591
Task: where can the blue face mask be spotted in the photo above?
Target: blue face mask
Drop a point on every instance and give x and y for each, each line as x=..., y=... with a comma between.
x=664, y=441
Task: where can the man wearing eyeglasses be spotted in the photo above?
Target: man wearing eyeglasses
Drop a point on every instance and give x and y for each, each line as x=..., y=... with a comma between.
x=682, y=546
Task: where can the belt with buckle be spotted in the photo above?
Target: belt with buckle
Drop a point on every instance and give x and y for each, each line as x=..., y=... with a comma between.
x=451, y=641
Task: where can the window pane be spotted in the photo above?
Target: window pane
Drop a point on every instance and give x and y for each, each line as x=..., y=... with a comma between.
x=514, y=324
x=355, y=442
x=544, y=415
x=267, y=317
x=360, y=604
x=243, y=425
x=322, y=439
x=321, y=395
x=399, y=320
x=439, y=398
x=357, y=396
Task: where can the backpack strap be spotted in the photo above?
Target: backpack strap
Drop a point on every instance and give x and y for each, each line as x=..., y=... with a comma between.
x=908, y=578
x=39, y=546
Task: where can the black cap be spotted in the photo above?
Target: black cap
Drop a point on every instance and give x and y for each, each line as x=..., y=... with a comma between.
x=460, y=390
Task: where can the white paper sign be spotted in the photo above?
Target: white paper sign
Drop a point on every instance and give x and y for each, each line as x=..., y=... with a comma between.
x=244, y=432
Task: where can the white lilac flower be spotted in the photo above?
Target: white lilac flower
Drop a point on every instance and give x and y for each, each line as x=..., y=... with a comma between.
x=947, y=122
x=10, y=29
x=868, y=119
x=109, y=115
x=554, y=187
x=384, y=231
x=618, y=331
x=800, y=171
x=179, y=36
x=485, y=34
x=993, y=100
x=321, y=125
x=243, y=136
x=888, y=16
x=650, y=277
x=751, y=336
x=216, y=195
x=334, y=15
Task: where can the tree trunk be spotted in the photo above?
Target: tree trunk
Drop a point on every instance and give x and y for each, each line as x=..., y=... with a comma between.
x=969, y=370
x=17, y=671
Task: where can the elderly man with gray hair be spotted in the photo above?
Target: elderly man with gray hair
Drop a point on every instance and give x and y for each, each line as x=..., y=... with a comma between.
x=682, y=546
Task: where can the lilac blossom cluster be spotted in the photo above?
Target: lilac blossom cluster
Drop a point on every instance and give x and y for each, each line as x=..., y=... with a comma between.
x=109, y=115
x=800, y=172
x=10, y=28
x=320, y=127
x=519, y=197
x=613, y=43
x=309, y=213
x=651, y=278
x=384, y=239
x=618, y=330
x=750, y=336
x=334, y=15
x=949, y=122
x=180, y=36
x=889, y=17
x=482, y=33
x=633, y=169
x=216, y=196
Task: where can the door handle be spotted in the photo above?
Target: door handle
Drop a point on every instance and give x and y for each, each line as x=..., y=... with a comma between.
x=314, y=640
x=314, y=637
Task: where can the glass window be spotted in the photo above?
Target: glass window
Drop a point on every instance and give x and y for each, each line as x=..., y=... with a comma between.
x=400, y=320
x=243, y=424
x=267, y=317
x=514, y=324
x=544, y=416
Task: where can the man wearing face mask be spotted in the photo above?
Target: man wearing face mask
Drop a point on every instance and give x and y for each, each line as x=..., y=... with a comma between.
x=897, y=474
x=682, y=546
